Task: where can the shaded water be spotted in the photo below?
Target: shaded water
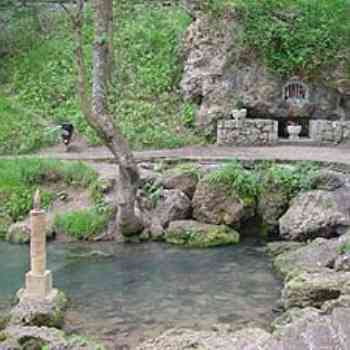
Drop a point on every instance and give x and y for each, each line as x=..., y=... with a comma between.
x=140, y=290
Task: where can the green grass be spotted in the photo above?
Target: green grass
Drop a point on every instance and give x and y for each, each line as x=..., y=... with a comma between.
x=21, y=130
x=20, y=178
x=82, y=224
x=145, y=98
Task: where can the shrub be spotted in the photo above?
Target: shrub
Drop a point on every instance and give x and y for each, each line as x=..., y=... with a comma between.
x=243, y=182
x=290, y=178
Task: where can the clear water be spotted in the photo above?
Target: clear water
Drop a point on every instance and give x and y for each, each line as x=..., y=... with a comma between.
x=141, y=290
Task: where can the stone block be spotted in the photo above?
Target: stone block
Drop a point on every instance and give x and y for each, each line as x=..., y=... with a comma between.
x=38, y=286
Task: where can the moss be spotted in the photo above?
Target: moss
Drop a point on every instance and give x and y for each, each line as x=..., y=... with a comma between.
x=3, y=337
x=220, y=236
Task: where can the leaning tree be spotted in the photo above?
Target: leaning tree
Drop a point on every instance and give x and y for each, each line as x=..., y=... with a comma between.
x=94, y=107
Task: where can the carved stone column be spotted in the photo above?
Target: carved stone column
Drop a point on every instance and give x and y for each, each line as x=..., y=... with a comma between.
x=38, y=279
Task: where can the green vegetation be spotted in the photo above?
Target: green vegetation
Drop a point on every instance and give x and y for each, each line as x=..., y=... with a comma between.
x=344, y=248
x=248, y=184
x=190, y=169
x=290, y=178
x=21, y=131
x=82, y=224
x=241, y=181
x=298, y=36
x=20, y=178
x=292, y=36
x=39, y=75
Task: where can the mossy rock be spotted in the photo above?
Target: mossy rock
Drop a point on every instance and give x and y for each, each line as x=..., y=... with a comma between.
x=194, y=234
x=19, y=232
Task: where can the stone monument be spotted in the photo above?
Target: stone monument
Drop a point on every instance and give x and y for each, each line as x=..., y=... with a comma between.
x=38, y=283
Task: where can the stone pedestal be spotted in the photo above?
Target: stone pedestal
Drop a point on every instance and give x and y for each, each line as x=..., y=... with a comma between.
x=38, y=286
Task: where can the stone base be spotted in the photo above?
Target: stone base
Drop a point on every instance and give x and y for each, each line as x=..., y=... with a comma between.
x=39, y=287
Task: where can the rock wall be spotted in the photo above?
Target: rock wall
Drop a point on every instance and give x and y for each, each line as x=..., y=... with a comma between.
x=220, y=75
x=248, y=132
x=324, y=131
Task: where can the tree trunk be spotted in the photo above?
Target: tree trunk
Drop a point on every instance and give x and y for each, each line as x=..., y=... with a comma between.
x=128, y=223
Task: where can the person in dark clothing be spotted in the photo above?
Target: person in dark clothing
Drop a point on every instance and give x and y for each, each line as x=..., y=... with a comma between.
x=67, y=133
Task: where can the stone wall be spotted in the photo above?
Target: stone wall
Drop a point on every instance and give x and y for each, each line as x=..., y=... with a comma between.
x=247, y=132
x=325, y=131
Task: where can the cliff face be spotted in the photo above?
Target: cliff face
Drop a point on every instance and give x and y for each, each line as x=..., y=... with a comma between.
x=220, y=75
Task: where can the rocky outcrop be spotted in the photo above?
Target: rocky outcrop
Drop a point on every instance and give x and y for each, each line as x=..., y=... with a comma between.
x=314, y=288
x=219, y=80
x=198, y=235
x=173, y=205
x=316, y=214
x=328, y=180
x=319, y=254
x=184, y=182
x=306, y=330
x=219, y=205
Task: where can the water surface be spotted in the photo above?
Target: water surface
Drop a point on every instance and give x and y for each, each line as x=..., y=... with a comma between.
x=139, y=290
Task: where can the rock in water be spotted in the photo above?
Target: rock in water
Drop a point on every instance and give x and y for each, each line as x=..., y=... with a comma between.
x=198, y=235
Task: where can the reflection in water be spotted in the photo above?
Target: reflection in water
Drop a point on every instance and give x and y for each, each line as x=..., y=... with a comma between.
x=135, y=290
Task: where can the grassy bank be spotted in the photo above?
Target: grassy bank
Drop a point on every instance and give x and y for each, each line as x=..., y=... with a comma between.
x=145, y=99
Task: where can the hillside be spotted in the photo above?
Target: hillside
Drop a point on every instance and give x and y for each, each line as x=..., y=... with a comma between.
x=284, y=38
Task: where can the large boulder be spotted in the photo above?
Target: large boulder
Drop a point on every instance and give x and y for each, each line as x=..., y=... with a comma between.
x=316, y=214
x=219, y=205
x=315, y=256
x=314, y=288
x=185, y=182
x=173, y=205
x=198, y=235
x=312, y=330
x=328, y=180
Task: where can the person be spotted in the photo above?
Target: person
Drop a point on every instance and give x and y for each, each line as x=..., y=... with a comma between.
x=67, y=133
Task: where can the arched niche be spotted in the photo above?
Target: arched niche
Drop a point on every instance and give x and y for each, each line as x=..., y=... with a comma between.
x=295, y=91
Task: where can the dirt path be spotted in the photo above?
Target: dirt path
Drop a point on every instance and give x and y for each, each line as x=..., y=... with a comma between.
x=288, y=153
x=340, y=155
